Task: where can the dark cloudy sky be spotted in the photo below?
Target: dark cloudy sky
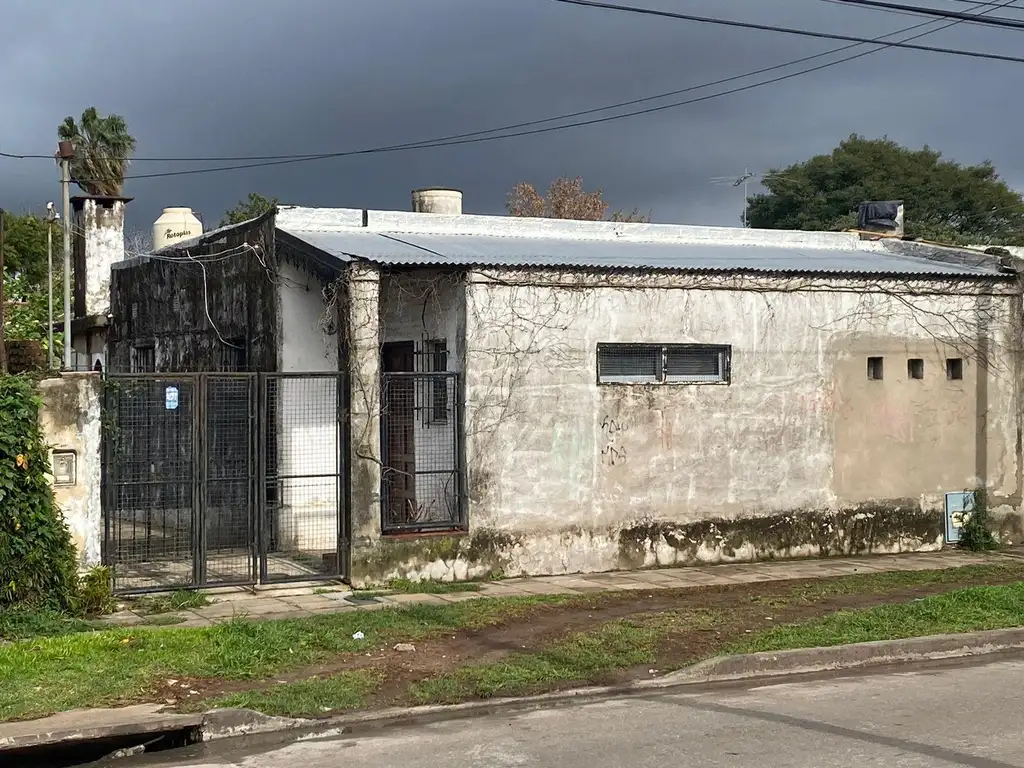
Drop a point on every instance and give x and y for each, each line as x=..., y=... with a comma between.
x=269, y=77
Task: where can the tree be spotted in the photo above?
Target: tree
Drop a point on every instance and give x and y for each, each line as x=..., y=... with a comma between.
x=566, y=199
x=253, y=206
x=103, y=150
x=943, y=200
x=25, y=316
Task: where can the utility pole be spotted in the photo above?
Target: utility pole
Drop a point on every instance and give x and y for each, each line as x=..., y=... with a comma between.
x=744, y=180
x=65, y=151
x=51, y=216
x=3, y=319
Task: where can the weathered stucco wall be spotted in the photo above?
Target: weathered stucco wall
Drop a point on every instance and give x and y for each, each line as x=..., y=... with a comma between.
x=307, y=429
x=800, y=454
x=206, y=308
x=70, y=422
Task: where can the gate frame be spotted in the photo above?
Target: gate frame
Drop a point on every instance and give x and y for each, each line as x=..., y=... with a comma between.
x=342, y=549
x=257, y=518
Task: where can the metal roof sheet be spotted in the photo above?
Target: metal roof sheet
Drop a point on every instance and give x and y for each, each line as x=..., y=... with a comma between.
x=420, y=249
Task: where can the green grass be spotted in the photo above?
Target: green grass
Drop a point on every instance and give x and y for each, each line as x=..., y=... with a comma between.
x=17, y=623
x=889, y=582
x=580, y=658
x=962, y=610
x=52, y=674
x=182, y=600
x=308, y=698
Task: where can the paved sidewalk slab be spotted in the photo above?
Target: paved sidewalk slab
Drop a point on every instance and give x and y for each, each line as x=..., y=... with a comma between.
x=315, y=599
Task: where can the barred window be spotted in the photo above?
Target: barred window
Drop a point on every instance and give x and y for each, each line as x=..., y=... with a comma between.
x=663, y=364
x=143, y=358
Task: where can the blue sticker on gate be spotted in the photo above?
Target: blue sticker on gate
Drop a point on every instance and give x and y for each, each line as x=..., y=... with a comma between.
x=171, y=398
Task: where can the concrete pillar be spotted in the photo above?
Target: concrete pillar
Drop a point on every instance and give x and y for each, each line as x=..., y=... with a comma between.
x=69, y=418
x=364, y=362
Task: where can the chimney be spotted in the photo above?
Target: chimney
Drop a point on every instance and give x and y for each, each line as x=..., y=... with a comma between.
x=437, y=200
x=884, y=218
x=97, y=243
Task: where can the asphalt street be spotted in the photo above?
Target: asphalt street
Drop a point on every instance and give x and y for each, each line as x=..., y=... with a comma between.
x=963, y=715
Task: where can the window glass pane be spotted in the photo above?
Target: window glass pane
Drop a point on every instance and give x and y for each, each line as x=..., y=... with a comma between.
x=694, y=364
x=629, y=362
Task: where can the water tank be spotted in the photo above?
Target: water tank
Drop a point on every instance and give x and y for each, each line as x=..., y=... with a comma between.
x=175, y=225
x=437, y=200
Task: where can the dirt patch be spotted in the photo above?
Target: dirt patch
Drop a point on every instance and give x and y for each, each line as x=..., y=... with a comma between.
x=710, y=619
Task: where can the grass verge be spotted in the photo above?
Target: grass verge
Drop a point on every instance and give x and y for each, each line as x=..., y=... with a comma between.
x=305, y=667
x=962, y=610
x=51, y=674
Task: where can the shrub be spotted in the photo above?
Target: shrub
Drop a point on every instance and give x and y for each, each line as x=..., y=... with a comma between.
x=96, y=595
x=37, y=556
x=976, y=535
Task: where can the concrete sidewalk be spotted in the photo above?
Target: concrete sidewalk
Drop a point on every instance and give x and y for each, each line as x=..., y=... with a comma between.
x=307, y=600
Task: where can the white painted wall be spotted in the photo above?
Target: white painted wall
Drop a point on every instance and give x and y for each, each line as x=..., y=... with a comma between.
x=308, y=425
x=420, y=308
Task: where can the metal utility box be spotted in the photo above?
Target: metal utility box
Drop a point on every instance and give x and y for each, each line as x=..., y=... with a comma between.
x=959, y=506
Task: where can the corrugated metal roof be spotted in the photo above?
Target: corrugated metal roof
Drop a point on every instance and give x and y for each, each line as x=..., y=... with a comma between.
x=408, y=249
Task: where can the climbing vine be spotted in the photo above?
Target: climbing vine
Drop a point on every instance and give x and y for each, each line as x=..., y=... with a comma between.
x=37, y=556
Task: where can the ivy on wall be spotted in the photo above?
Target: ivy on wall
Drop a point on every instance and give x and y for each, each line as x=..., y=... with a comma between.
x=37, y=556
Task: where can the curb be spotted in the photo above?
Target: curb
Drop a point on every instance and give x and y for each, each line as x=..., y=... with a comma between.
x=766, y=667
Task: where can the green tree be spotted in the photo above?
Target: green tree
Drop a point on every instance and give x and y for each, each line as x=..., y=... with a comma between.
x=566, y=199
x=103, y=151
x=25, y=267
x=253, y=206
x=943, y=200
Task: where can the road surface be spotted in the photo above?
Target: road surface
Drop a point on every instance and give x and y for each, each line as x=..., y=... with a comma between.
x=964, y=715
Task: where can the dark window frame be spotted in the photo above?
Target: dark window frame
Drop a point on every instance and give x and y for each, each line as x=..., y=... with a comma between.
x=876, y=368
x=143, y=357
x=436, y=358
x=915, y=368
x=659, y=355
x=954, y=369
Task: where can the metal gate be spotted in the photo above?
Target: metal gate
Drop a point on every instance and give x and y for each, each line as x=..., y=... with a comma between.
x=219, y=479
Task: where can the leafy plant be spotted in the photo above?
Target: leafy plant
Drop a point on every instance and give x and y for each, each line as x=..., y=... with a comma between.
x=253, y=206
x=976, y=535
x=37, y=556
x=103, y=150
x=96, y=595
x=964, y=204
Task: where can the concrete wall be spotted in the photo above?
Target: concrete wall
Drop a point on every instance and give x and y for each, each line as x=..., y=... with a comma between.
x=801, y=454
x=70, y=421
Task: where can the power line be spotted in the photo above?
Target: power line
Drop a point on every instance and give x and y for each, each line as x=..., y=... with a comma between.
x=481, y=136
x=992, y=21
x=900, y=13
x=782, y=30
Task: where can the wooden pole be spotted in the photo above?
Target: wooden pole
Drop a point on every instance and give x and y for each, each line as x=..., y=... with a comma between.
x=3, y=338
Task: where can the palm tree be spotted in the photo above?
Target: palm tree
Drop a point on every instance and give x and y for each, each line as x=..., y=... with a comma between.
x=103, y=150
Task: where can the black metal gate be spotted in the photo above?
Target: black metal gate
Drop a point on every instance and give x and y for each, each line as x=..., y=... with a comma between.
x=218, y=479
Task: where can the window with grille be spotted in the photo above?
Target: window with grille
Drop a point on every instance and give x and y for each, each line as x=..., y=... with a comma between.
x=436, y=351
x=663, y=364
x=143, y=358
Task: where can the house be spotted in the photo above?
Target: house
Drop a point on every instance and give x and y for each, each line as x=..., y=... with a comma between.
x=448, y=396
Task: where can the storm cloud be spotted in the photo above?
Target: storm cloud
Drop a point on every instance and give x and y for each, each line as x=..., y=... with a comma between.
x=264, y=77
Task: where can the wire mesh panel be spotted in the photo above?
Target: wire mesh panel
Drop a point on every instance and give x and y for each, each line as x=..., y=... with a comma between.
x=301, y=449
x=228, y=479
x=421, y=478
x=150, y=501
